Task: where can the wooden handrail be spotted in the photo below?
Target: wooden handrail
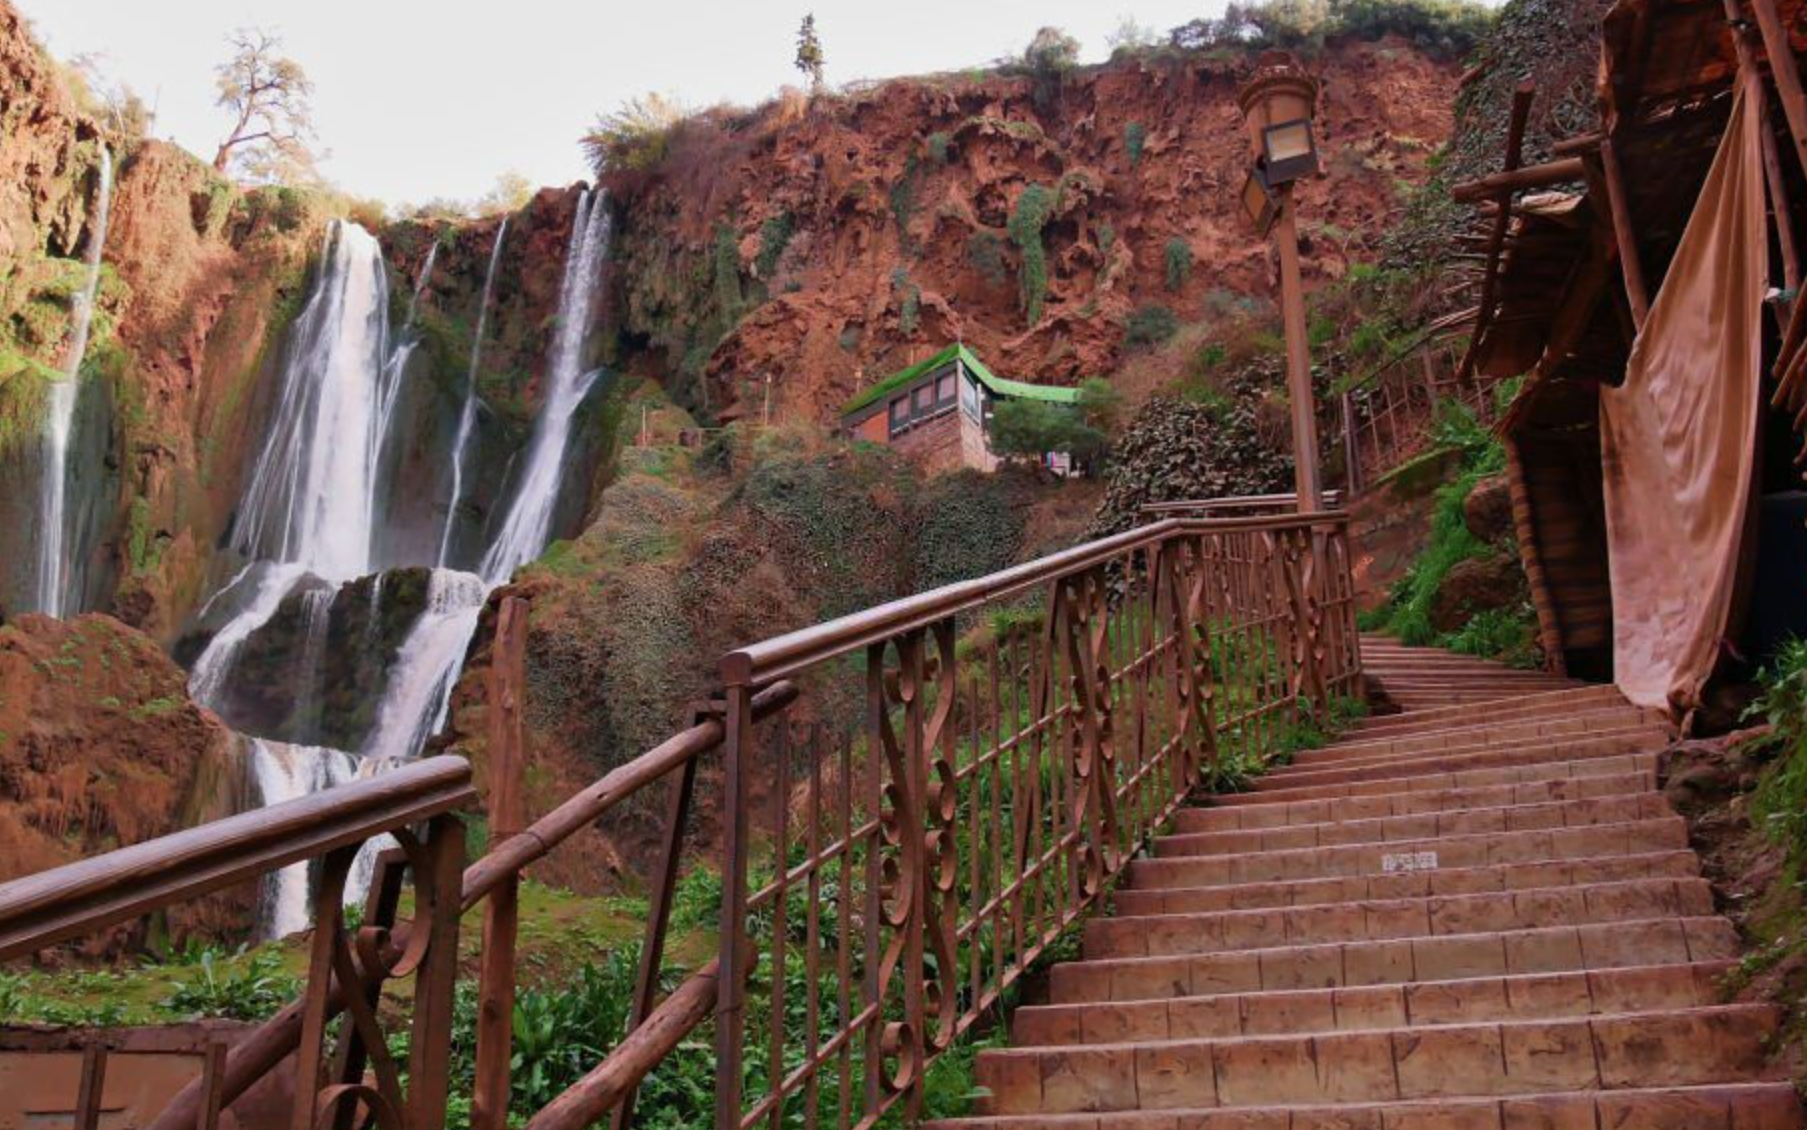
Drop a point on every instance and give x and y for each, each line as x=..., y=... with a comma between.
x=585, y=1102
x=92, y=894
x=260, y=1052
x=788, y=655
x=1202, y=506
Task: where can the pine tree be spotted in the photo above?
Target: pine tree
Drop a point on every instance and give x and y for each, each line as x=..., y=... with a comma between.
x=809, y=52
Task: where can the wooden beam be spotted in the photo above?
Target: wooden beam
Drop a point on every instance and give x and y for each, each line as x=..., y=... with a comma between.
x=1631, y=264
x=1561, y=171
x=1578, y=146
x=1787, y=73
x=1515, y=145
x=1549, y=628
x=1778, y=205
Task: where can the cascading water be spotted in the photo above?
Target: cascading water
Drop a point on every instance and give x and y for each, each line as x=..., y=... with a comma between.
x=467, y=415
x=51, y=594
x=406, y=341
x=529, y=521
x=280, y=772
x=309, y=511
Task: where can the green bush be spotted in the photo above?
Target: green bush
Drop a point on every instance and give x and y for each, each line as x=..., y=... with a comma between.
x=1035, y=427
x=1447, y=29
x=248, y=991
x=634, y=138
x=774, y=237
x=1178, y=256
x=1779, y=806
x=1033, y=208
x=936, y=145
x=1135, y=137
x=1149, y=326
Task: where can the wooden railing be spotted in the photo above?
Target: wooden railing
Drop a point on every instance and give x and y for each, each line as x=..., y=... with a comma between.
x=921, y=800
x=1388, y=417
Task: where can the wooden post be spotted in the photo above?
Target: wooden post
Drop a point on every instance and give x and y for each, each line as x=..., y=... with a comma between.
x=93, y=1083
x=1502, y=222
x=1630, y=262
x=1778, y=207
x=1298, y=361
x=1787, y=74
x=507, y=816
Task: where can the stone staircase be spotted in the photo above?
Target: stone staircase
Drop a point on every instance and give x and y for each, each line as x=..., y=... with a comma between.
x=1478, y=914
x=1421, y=678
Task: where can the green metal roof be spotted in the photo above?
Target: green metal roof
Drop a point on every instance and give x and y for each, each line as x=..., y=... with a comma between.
x=999, y=386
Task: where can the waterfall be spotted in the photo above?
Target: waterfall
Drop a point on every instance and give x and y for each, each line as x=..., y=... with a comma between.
x=280, y=772
x=528, y=524
x=467, y=416
x=311, y=497
x=420, y=686
x=52, y=596
x=309, y=510
x=406, y=341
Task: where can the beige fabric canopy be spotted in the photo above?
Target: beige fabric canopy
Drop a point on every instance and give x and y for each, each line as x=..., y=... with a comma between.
x=1678, y=438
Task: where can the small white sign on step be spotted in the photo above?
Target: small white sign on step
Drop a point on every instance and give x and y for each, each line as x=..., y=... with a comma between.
x=1409, y=861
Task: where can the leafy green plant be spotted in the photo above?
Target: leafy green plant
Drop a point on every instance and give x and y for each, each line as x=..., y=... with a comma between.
x=1178, y=258
x=223, y=988
x=1135, y=138
x=1033, y=208
x=1780, y=802
x=774, y=237
x=1149, y=326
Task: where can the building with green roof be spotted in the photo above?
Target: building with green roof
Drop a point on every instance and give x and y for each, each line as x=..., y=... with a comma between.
x=939, y=410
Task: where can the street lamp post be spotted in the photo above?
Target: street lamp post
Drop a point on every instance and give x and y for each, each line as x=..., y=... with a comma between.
x=1277, y=106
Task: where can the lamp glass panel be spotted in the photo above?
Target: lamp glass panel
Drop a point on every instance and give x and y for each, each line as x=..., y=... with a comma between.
x=1287, y=141
x=1254, y=199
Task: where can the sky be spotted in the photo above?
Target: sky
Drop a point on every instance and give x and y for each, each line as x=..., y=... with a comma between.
x=423, y=99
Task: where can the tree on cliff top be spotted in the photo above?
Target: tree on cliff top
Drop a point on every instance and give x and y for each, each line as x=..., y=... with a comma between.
x=272, y=118
x=810, y=59
x=634, y=138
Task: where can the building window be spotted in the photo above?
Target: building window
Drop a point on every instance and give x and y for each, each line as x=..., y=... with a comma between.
x=945, y=390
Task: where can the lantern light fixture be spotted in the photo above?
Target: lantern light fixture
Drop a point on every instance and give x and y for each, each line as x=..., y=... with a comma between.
x=1258, y=202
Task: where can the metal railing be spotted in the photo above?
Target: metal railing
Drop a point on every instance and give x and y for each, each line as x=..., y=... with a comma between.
x=921, y=799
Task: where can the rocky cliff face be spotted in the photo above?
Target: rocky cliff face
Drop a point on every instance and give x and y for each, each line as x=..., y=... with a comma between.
x=824, y=244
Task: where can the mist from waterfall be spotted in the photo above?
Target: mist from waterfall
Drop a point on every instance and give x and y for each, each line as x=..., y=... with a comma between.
x=51, y=593
x=467, y=414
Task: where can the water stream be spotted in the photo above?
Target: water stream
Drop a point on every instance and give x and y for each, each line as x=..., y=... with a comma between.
x=309, y=512
x=467, y=414
x=52, y=594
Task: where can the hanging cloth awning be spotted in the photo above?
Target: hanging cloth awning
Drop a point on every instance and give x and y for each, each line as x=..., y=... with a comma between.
x=1678, y=438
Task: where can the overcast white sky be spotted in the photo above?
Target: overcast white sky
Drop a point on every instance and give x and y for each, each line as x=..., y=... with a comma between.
x=424, y=98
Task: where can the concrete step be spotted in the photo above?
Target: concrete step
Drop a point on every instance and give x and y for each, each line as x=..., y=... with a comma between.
x=1623, y=809
x=1514, y=732
x=1629, y=740
x=1590, y=763
x=1253, y=816
x=1629, y=1051
x=1515, y=748
x=1725, y=1106
x=1398, y=961
x=1545, y=704
x=1486, y=850
x=1538, y=997
x=1172, y=933
x=1408, y=884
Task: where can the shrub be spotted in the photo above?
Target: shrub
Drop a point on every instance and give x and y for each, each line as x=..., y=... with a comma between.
x=936, y=145
x=774, y=237
x=1035, y=427
x=1780, y=803
x=634, y=138
x=1135, y=137
x=250, y=992
x=985, y=251
x=1149, y=326
x=1033, y=208
x=1178, y=257
x=1048, y=58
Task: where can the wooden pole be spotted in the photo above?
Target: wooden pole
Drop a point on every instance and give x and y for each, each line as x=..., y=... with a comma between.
x=1778, y=205
x=1782, y=65
x=93, y=1084
x=1631, y=264
x=507, y=736
x=1298, y=361
x=1502, y=220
